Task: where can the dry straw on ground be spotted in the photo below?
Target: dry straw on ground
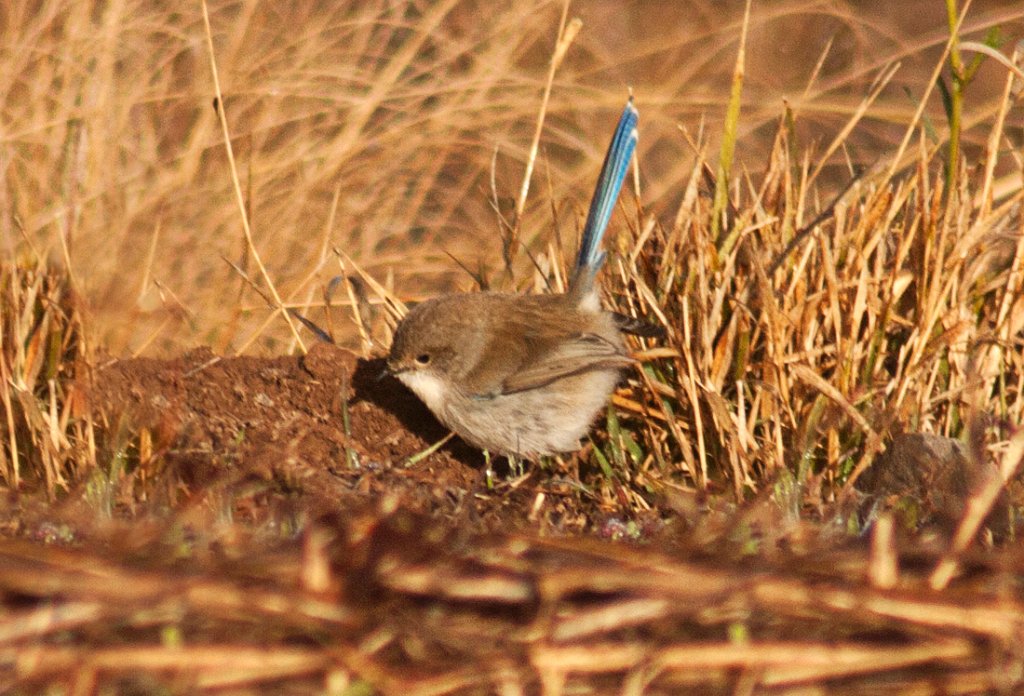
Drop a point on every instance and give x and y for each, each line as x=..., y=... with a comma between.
x=387, y=603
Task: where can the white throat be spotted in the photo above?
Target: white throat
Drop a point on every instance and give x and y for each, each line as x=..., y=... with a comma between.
x=430, y=388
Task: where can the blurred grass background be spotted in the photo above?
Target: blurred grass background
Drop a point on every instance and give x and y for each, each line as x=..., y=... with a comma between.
x=371, y=127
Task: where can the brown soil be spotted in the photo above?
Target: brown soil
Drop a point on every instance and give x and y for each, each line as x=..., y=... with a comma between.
x=272, y=431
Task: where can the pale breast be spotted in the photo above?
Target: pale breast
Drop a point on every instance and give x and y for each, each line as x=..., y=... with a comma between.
x=543, y=421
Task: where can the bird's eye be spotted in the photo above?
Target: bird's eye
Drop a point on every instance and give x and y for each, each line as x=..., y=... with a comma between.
x=423, y=359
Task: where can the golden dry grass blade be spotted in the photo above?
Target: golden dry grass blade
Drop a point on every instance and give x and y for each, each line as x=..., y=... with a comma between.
x=240, y=199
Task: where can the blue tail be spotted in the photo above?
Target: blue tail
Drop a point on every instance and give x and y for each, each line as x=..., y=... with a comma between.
x=616, y=164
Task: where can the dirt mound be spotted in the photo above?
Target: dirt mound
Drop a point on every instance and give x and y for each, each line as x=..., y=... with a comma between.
x=328, y=427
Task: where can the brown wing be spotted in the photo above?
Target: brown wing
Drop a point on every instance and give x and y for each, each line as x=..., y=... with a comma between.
x=572, y=356
x=532, y=341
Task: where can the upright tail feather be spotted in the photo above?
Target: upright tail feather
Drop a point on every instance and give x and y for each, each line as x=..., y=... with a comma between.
x=613, y=172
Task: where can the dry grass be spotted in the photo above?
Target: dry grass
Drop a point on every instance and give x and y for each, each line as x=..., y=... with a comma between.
x=386, y=603
x=844, y=293
x=803, y=341
x=372, y=128
x=42, y=346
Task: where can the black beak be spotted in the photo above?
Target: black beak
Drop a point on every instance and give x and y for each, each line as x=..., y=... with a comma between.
x=389, y=371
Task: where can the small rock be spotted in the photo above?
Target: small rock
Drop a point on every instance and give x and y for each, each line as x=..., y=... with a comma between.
x=927, y=479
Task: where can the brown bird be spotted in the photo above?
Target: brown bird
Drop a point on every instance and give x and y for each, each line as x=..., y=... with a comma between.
x=524, y=375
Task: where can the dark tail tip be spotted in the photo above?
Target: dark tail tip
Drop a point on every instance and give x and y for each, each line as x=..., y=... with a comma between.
x=640, y=327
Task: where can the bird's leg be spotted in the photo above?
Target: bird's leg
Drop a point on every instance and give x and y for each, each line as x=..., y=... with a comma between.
x=488, y=471
x=516, y=466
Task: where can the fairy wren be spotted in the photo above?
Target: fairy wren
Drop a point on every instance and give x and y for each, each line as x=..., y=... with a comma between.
x=524, y=375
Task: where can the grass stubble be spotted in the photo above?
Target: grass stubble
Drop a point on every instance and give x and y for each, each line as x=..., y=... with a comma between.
x=816, y=302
